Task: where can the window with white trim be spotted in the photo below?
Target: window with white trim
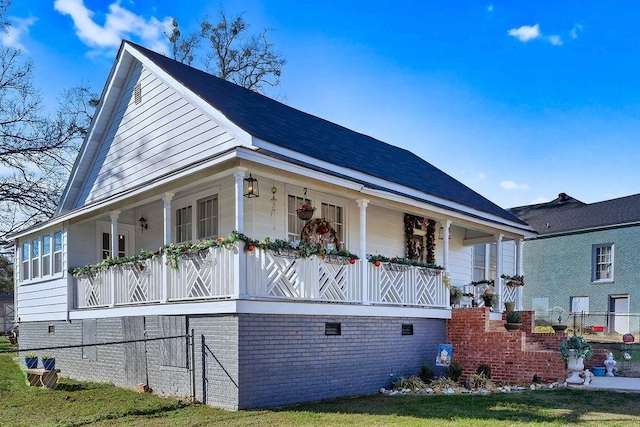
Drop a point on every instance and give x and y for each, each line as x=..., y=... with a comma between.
x=602, y=263
x=183, y=224
x=26, y=257
x=579, y=304
x=57, y=252
x=35, y=258
x=106, y=245
x=484, y=262
x=334, y=214
x=46, y=255
x=294, y=224
x=208, y=217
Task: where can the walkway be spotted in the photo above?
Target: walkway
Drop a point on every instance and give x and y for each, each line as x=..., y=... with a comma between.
x=615, y=383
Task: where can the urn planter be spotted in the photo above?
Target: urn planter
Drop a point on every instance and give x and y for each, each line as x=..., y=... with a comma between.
x=576, y=366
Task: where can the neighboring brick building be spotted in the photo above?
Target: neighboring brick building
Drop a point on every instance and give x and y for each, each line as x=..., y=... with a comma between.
x=584, y=259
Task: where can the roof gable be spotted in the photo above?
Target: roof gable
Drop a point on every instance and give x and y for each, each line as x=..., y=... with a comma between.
x=278, y=124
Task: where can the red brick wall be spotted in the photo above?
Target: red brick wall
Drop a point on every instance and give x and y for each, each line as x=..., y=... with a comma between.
x=513, y=357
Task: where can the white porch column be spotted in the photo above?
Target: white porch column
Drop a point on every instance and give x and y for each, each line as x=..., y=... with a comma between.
x=166, y=231
x=114, y=215
x=166, y=201
x=519, y=272
x=498, y=281
x=362, y=204
x=239, y=261
x=445, y=244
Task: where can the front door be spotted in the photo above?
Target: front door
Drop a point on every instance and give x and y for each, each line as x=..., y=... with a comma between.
x=619, y=314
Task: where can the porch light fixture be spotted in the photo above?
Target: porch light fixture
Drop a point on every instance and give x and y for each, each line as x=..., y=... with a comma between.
x=251, y=187
x=441, y=233
x=143, y=223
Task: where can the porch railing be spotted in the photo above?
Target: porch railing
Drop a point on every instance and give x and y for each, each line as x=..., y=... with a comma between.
x=269, y=275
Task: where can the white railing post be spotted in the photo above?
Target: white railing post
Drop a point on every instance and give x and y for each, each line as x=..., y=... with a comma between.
x=114, y=252
x=166, y=270
x=239, y=262
x=362, y=204
x=498, y=281
x=518, y=273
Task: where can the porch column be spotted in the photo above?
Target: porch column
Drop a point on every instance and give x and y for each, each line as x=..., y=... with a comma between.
x=166, y=202
x=498, y=281
x=445, y=244
x=166, y=231
x=364, y=265
x=519, y=272
x=114, y=215
x=239, y=260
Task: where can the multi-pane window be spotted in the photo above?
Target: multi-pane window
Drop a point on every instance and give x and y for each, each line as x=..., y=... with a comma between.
x=106, y=246
x=183, y=224
x=46, y=255
x=294, y=224
x=334, y=214
x=484, y=262
x=35, y=258
x=57, y=252
x=26, y=256
x=208, y=218
x=602, y=262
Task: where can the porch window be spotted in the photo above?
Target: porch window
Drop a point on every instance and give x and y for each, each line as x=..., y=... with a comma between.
x=106, y=246
x=35, y=258
x=46, y=255
x=57, y=252
x=183, y=224
x=602, y=262
x=208, y=218
x=294, y=224
x=26, y=256
x=334, y=214
x=484, y=262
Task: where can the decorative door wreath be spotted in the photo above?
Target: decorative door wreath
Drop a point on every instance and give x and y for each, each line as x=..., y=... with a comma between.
x=322, y=232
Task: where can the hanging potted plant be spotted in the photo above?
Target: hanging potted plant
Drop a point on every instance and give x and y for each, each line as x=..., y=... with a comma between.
x=305, y=212
x=573, y=351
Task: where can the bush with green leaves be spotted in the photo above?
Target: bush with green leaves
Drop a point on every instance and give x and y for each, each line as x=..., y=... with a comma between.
x=412, y=383
x=480, y=381
x=484, y=369
x=426, y=374
x=514, y=317
x=577, y=343
x=454, y=370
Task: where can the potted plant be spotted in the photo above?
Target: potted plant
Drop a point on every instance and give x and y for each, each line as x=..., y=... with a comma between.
x=48, y=362
x=514, y=321
x=31, y=360
x=573, y=351
x=489, y=297
x=509, y=306
x=455, y=294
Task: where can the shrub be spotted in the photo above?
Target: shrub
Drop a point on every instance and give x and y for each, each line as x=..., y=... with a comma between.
x=479, y=381
x=412, y=383
x=484, y=369
x=426, y=374
x=454, y=370
x=576, y=342
x=443, y=383
x=514, y=317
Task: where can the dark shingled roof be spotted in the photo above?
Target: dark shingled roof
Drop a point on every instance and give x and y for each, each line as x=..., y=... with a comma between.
x=566, y=214
x=279, y=124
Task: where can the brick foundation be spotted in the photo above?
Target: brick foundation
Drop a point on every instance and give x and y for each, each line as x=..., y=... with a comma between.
x=513, y=357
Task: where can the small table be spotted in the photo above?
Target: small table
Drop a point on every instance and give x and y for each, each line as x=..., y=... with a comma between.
x=43, y=377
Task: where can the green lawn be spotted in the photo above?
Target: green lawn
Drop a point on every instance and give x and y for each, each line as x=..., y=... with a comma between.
x=80, y=404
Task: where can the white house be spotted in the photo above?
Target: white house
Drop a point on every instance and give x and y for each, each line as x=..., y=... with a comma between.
x=169, y=158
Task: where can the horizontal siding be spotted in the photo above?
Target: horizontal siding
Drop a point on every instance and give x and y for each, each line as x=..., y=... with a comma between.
x=47, y=300
x=162, y=134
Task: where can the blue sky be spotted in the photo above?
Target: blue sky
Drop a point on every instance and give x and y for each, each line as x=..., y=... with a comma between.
x=518, y=100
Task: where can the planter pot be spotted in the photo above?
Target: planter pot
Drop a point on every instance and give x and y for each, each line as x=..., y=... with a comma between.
x=49, y=364
x=488, y=301
x=598, y=371
x=513, y=327
x=559, y=329
x=509, y=306
x=576, y=366
x=31, y=362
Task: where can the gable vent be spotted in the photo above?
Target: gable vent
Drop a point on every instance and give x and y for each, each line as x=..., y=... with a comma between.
x=137, y=93
x=332, y=329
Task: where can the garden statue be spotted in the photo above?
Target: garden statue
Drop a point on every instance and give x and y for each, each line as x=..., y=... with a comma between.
x=611, y=365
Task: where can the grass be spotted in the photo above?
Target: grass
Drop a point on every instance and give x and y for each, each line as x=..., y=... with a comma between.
x=80, y=404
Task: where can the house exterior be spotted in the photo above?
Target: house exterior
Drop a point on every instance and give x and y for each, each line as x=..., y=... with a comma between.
x=583, y=260
x=175, y=155
x=6, y=312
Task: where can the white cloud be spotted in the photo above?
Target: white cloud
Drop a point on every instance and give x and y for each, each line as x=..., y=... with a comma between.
x=17, y=31
x=510, y=185
x=525, y=32
x=574, y=31
x=119, y=23
x=539, y=200
x=555, y=40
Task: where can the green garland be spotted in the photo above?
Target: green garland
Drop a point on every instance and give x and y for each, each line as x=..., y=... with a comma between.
x=402, y=261
x=175, y=251
x=483, y=282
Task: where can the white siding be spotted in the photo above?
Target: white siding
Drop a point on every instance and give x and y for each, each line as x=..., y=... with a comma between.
x=162, y=134
x=44, y=300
